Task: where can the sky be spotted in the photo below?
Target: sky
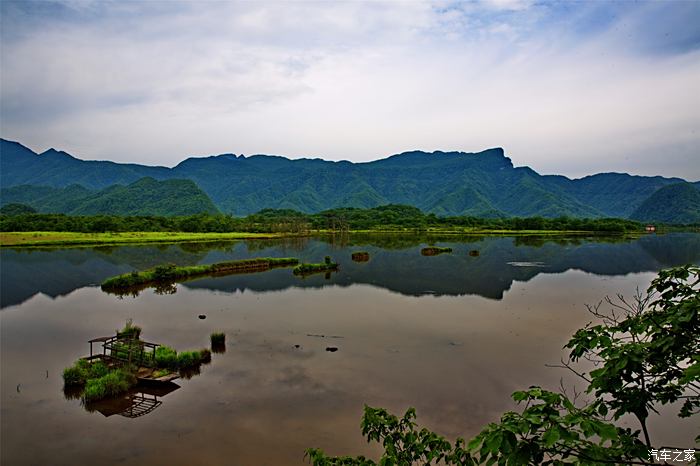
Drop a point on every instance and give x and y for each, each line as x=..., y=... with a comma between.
x=571, y=88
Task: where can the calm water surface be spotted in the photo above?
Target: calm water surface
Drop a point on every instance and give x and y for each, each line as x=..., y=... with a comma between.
x=452, y=335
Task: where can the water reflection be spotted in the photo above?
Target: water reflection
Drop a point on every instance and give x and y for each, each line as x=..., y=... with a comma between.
x=477, y=265
x=139, y=401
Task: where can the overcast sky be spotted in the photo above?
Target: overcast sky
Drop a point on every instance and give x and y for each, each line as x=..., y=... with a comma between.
x=571, y=87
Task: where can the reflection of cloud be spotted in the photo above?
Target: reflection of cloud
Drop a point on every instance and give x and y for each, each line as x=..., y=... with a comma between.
x=297, y=378
x=570, y=87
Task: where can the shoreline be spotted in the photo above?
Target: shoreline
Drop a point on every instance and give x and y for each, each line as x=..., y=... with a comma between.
x=30, y=239
x=38, y=239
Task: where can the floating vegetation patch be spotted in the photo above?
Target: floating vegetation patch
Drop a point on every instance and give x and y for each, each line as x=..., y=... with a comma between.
x=308, y=269
x=360, y=256
x=474, y=253
x=434, y=251
x=124, y=362
x=163, y=277
x=218, y=342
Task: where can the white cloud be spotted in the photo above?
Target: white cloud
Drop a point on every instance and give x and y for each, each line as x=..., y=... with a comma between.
x=351, y=80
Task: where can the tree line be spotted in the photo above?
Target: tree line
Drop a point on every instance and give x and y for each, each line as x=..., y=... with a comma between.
x=388, y=217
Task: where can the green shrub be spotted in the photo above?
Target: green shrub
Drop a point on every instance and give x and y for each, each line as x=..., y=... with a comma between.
x=130, y=330
x=205, y=356
x=188, y=359
x=75, y=375
x=97, y=369
x=109, y=385
x=82, y=371
x=166, y=357
x=164, y=272
x=218, y=338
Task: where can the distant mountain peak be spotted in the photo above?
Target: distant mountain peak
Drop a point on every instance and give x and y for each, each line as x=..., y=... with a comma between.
x=53, y=153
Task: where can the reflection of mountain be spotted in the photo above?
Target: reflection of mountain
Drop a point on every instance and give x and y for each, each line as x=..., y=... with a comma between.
x=406, y=271
x=395, y=264
x=57, y=272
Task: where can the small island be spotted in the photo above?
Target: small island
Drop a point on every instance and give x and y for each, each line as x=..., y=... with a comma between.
x=308, y=269
x=169, y=273
x=360, y=256
x=125, y=361
x=434, y=251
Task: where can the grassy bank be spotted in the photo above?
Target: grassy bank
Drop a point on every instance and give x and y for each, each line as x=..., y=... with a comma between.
x=63, y=238
x=171, y=273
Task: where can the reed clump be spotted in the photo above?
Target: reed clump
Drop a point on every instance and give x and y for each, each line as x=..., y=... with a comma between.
x=218, y=342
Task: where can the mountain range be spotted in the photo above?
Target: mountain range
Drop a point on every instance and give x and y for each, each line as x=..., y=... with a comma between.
x=445, y=183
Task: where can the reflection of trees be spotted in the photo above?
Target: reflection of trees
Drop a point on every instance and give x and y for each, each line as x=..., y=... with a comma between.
x=297, y=243
x=394, y=240
x=206, y=246
x=538, y=241
x=165, y=288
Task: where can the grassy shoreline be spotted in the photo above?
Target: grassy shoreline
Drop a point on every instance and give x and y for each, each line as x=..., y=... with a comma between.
x=58, y=238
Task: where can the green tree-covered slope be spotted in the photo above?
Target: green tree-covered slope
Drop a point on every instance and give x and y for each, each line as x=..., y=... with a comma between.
x=143, y=197
x=676, y=203
x=445, y=183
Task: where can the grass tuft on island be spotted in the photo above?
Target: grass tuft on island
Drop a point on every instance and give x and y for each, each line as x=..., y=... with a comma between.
x=434, y=251
x=170, y=273
x=309, y=269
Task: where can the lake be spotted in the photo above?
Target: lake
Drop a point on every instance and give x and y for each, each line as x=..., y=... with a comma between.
x=452, y=335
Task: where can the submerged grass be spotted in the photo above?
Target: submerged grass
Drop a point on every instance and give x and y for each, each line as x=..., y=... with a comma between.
x=170, y=273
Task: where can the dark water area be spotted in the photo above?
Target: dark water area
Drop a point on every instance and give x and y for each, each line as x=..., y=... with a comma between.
x=452, y=335
x=395, y=263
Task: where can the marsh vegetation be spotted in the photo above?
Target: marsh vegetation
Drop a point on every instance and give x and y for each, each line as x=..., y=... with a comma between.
x=170, y=273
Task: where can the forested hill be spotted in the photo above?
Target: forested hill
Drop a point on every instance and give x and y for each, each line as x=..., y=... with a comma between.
x=445, y=183
x=676, y=203
x=143, y=197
